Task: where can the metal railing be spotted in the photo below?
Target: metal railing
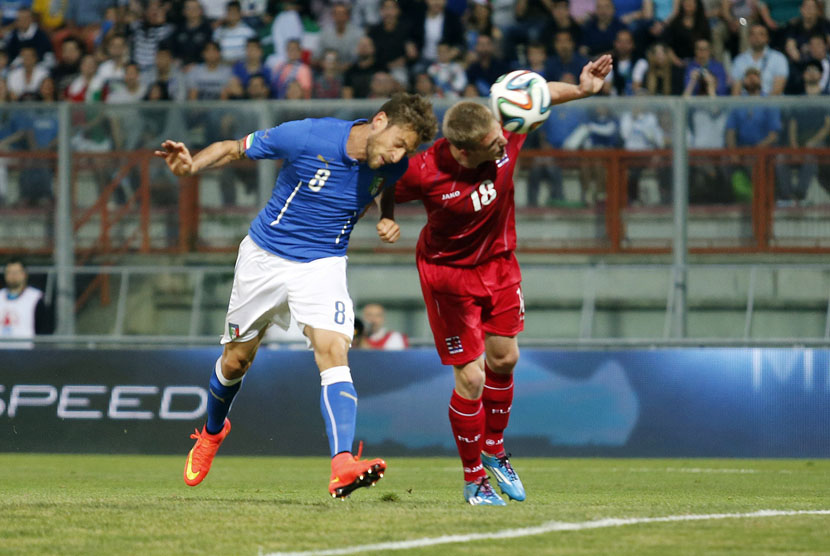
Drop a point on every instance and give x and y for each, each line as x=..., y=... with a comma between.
x=142, y=126
x=740, y=284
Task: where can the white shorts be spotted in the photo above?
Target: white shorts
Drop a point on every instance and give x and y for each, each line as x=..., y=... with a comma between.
x=269, y=289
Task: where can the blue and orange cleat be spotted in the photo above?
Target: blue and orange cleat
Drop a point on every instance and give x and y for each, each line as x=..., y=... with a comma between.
x=349, y=473
x=480, y=493
x=201, y=455
x=506, y=477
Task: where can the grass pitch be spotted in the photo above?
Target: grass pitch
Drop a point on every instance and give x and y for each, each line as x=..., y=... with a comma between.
x=52, y=504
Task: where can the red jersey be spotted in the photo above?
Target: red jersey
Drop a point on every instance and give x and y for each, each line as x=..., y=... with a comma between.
x=470, y=211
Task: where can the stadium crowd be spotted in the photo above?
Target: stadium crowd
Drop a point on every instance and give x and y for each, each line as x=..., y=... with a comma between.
x=127, y=50
x=121, y=51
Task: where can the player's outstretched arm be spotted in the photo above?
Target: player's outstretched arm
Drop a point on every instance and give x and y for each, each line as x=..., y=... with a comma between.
x=591, y=81
x=181, y=163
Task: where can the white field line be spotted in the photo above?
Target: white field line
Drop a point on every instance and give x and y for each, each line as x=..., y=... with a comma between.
x=549, y=527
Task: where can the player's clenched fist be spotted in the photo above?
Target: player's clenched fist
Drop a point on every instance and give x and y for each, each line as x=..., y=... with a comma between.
x=388, y=230
x=177, y=157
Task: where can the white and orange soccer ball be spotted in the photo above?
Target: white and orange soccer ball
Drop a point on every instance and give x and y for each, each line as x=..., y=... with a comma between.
x=520, y=100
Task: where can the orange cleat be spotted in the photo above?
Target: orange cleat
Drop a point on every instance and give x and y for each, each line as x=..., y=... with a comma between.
x=349, y=473
x=201, y=456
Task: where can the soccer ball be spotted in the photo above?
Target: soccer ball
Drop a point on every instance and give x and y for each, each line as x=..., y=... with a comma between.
x=520, y=100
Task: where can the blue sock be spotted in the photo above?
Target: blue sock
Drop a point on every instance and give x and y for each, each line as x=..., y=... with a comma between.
x=221, y=393
x=338, y=404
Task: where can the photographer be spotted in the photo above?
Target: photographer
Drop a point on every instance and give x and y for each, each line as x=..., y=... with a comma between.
x=703, y=69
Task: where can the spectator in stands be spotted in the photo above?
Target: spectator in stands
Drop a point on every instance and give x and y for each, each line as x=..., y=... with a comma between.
x=382, y=85
x=377, y=335
x=10, y=8
x=255, y=13
x=328, y=82
x=287, y=26
x=146, y=34
x=740, y=16
x=640, y=131
x=41, y=135
x=214, y=9
x=206, y=80
x=192, y=35
x=449, y=75
x=27, y=33
x=805, y=127
x=565, y=58
x=799, y=31
x=127, y=124
x=819, y=48
x=167, y=71
x=393, y=44
x=662, y=77
x=703, y=66
x=771, y=63
x=357, y=78
x=565, y=129
x=80, y=88
x=232, y=36
x=684, y=29
x=562, y=20
x=599, y=31
x=636, y=15
x=366, y=13
x=292, y=69
x=755, y=126
x=50, y=14
x=435, y=25
x=23, y=311
x=424, y=85
x=537, y=58
x=479, y=22
x=131, y=89
x=28, y=76
x=341, y=36
x=581, y=10
x=359, y=338
x=72, y=50
x=487, y=67
x=627, y=70
x=85, y=16
x=707, y=130
x=258, y=88
x=531, y=18
x=111, y=70
x=252, y=64
x=4, y=65
x=603, y=133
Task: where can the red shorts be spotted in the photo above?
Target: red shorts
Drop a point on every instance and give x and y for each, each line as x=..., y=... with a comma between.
x=464, y=303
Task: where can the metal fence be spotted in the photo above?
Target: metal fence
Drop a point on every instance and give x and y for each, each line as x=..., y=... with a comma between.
x=81, y=184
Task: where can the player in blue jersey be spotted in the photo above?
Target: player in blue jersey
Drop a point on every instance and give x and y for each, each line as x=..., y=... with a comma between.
x=292, y=262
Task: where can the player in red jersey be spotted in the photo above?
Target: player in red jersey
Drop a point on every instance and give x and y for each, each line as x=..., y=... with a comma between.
x=470, y=278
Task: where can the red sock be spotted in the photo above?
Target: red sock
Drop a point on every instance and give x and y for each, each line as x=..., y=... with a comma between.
x=497, y=400
x=467, y=422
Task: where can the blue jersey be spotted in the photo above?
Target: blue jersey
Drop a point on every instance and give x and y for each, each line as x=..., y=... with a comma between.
x=320, y=192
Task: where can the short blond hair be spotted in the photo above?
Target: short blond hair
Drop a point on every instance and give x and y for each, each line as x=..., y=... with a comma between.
x=467, y=123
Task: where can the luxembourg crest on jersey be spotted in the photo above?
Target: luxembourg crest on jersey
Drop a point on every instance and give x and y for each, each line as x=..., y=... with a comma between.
x=376, y=185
